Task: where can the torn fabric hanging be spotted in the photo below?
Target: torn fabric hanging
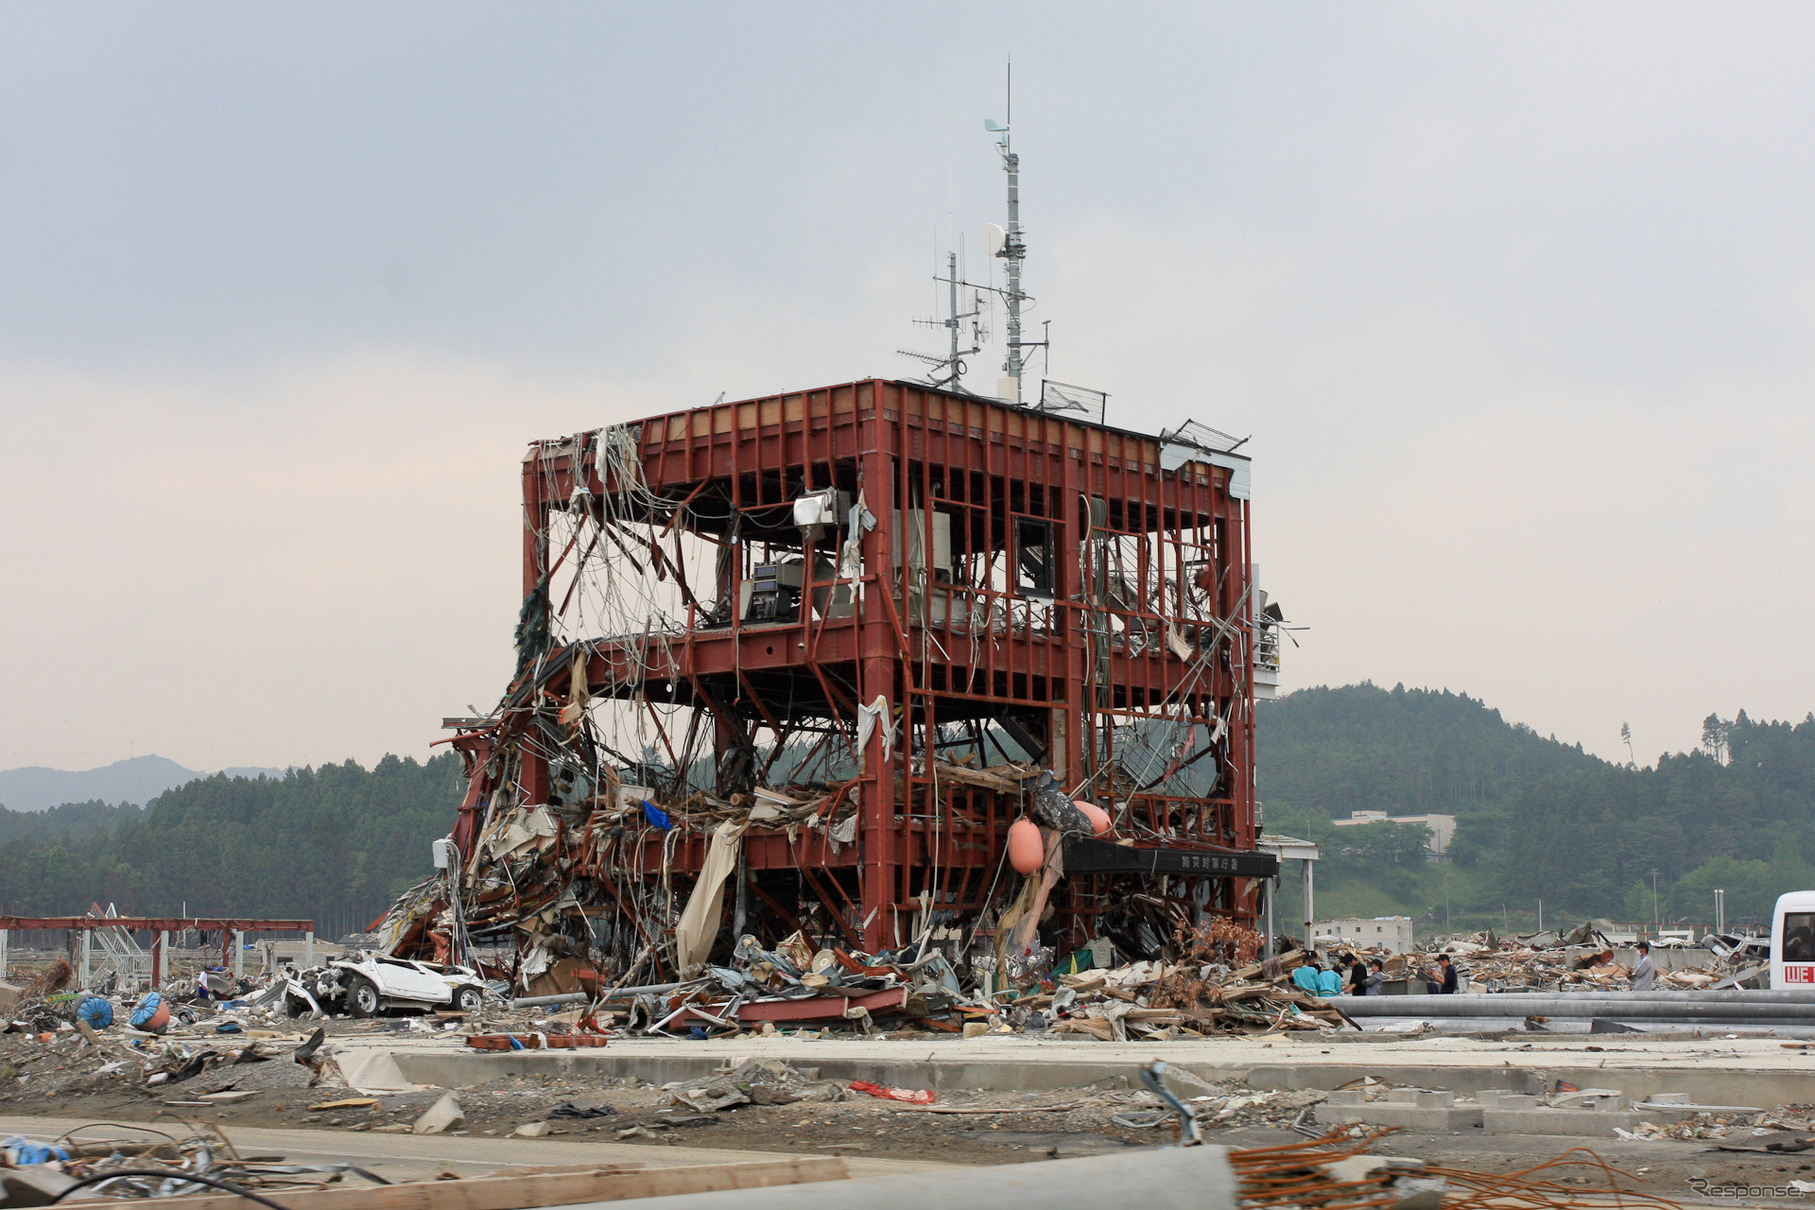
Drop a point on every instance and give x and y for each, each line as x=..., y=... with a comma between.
x=698, y=925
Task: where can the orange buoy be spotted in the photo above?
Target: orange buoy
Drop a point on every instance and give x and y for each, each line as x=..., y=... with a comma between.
x=1026, y=847
x=1098, y=817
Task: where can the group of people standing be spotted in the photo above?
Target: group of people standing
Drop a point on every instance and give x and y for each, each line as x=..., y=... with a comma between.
x=1330, y=980
x=1348, y=974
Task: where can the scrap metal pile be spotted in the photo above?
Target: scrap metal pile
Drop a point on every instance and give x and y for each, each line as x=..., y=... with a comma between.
x=1338, y=1171
x=794, y=987
x=1582, y=959
x=89, y=1042
x=94, y=1161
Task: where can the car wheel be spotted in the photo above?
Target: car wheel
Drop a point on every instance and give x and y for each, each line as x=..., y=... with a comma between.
x=362, y=996
x=468, y=999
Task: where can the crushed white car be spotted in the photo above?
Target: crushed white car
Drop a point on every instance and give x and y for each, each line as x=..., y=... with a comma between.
x=369, y=984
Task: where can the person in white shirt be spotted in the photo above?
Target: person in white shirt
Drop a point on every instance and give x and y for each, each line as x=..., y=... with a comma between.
x=1642, y=973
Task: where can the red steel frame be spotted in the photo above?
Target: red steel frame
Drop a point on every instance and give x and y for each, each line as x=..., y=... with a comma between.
x=1083, y=660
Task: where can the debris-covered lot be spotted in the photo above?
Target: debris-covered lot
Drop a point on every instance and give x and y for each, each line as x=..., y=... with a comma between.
x=757, y=1105
x=792, y=1108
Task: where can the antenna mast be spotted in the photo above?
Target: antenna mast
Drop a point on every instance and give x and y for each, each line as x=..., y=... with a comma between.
x=1010, y=244
x=946, y=372
x=1014, y=248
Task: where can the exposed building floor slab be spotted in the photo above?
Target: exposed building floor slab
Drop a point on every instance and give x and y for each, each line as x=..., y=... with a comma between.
x=1709, y=1070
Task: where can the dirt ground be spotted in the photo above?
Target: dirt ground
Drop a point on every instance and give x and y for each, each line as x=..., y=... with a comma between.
x=64, y=1078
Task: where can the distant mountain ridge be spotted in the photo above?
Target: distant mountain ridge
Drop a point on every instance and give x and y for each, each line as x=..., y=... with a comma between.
x=138, y=779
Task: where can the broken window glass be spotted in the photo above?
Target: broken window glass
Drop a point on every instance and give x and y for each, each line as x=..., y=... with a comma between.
x=1033, y=557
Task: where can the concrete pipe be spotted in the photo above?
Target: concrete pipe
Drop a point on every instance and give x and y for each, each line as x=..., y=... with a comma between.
x=1172, y=1178
x=1701, y=1009
x=1732, y=996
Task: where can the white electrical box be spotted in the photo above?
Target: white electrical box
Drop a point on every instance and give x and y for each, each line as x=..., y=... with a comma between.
x=916, y=527
x=827, y=507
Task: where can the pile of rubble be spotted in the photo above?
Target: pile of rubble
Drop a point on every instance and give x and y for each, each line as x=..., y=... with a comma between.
x=1581, y=959
x=1786, y=1130
x=183, y=1030
x=197, y=1044
x=89, y=1162
x=796, y=987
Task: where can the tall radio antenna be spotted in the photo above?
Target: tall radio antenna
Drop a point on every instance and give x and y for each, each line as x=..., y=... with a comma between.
x=1011, y=246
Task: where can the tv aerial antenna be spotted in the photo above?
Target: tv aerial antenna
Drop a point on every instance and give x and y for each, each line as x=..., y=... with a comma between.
x=946, y=371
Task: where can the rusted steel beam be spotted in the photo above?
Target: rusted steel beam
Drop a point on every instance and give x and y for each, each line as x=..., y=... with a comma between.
x=171, y=924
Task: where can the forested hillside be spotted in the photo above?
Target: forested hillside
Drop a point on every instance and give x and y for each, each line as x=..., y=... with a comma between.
x=1537, y=819
x=71, y=821
x=1738, y=813
x=334, y=844
x=1403, y=751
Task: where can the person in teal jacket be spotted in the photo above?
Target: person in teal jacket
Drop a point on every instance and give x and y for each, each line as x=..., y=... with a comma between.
x=1306, y=976
x=1329, y=983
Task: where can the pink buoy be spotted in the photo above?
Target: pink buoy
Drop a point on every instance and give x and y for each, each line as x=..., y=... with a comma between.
x=159, y=1021
x=1098, y=817
x=1026, y=847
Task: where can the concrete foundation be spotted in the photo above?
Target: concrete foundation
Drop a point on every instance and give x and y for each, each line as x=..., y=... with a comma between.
x=1704, y=1071
x=1408, y=1109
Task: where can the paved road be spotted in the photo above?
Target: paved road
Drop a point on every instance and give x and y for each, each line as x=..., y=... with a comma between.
x=408, y=1156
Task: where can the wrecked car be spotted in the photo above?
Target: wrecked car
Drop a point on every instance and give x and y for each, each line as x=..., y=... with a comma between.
x=368, y=984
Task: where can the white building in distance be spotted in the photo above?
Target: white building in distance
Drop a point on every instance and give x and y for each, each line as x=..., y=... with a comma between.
x=1390, y=933
x=1443, y=827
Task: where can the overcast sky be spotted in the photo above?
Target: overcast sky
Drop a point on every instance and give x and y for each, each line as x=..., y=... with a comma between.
x=1516, y=302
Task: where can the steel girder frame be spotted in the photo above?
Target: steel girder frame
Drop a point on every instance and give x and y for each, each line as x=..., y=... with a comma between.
x=158, y=926
x=1072, y=658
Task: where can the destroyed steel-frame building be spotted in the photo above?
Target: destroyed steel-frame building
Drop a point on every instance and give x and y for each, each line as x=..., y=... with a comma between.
x=796, y=664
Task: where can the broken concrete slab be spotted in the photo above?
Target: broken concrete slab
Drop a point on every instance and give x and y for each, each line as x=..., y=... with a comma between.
x=1406, y=1108
x=711, y=1097
x=442, y=1116
x=1500, y=1099
x=34, y=1185
x=371, y=1069
x=1407, y=1117
x=1423, y=1098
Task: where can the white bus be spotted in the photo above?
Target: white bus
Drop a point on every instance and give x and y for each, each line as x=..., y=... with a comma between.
x=1793, y=942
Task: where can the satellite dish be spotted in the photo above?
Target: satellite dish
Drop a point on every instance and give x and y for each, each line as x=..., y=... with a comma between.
x=994, y=238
